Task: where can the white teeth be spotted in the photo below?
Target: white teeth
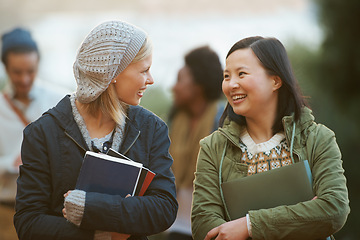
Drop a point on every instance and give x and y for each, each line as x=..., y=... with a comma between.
x=141, y=91
x=237, y=97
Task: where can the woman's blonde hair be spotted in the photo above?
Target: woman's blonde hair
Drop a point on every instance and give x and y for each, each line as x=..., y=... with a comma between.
x=108, y=102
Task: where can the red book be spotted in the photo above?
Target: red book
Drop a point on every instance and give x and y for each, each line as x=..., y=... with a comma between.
x=149, y=177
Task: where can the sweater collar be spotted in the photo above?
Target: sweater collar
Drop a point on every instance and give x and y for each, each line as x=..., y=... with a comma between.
x=62, y=113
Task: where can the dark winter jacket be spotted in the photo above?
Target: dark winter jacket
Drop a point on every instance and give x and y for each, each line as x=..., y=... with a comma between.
x=52, y=152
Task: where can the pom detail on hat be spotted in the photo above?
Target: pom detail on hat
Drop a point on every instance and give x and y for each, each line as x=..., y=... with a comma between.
x=107, y=50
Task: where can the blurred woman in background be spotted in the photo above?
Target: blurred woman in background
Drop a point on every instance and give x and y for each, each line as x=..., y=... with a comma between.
x=196, y=113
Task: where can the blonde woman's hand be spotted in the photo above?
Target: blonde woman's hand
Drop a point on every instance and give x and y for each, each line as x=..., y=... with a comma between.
x=64, y=210
x=233, y=230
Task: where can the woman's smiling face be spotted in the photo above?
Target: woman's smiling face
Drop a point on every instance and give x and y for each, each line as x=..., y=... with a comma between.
x=247, y=86
x=132, y=82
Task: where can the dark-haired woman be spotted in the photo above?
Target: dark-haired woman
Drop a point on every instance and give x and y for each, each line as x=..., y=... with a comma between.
x=267, y=125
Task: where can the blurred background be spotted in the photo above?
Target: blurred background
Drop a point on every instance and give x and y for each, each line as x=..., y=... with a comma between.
x=322, y=38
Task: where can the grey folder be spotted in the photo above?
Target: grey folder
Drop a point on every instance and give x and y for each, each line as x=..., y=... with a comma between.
x=286, y=185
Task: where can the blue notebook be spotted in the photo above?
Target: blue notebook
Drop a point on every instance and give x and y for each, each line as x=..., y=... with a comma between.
x=106, y=174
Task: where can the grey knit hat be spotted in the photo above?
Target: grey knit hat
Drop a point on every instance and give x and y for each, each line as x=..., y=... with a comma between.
x=107, y=50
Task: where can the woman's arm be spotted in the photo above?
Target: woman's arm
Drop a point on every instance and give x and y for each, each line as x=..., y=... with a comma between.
x=207, y=210
x=34, y=218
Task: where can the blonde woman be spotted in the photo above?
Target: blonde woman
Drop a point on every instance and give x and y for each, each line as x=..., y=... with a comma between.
x=112, y=71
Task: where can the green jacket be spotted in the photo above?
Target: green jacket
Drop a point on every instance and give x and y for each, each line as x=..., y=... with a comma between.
x=315, y=219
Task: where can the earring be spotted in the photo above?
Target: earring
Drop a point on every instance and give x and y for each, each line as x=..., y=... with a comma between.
x=114, y=81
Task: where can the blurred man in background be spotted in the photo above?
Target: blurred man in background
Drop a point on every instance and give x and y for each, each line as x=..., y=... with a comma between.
x=196, y=113
x=21, y=101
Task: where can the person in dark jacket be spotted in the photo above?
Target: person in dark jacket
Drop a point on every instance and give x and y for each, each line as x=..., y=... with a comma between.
x=112, y=73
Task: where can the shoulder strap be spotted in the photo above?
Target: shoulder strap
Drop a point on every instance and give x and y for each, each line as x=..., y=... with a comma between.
x=292, y=143
x=16, y=110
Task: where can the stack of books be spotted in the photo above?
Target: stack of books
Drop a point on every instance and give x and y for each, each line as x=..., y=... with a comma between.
x=113, y=173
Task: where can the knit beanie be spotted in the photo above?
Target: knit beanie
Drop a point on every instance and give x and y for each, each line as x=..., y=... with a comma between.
x=107, y=50
x=17, y=38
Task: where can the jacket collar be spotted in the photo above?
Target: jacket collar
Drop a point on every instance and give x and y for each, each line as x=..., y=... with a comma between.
x=131, y=134
x=301, y=126
x=62, y=113
x=232, y=130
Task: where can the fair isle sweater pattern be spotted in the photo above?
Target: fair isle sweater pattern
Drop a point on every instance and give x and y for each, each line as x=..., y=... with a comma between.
x=265, y=156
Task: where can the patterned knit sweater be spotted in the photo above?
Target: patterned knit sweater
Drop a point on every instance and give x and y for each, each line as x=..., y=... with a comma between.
x=264, y=156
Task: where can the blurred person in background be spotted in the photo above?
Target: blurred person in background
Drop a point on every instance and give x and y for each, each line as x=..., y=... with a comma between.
x=21, y=101
x=195, y=114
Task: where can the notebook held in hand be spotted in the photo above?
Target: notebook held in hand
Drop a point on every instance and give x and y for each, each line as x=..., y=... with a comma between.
x=286, y=185
x=106, y=174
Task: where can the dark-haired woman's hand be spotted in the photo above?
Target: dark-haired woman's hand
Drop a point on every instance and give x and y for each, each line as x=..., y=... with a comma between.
x=233, y=230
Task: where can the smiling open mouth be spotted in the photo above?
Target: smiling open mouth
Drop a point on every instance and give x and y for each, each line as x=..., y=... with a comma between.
x=238, y=97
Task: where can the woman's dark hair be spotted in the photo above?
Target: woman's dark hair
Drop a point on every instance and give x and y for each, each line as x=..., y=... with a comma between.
x=207, y=71
x=274, y=59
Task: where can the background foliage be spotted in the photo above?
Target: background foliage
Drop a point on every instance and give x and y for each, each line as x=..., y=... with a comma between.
x=333, y=82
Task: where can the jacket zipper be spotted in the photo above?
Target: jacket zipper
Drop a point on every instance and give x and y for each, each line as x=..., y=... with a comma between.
x=288, y=142
x=75, y=141
x=136, y=137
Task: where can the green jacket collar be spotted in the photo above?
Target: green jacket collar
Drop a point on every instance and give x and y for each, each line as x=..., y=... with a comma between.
x=231, y=130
